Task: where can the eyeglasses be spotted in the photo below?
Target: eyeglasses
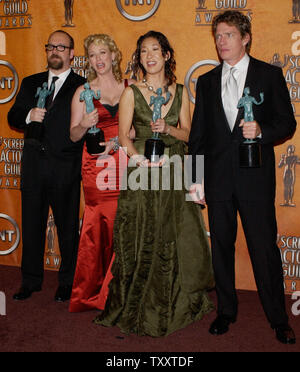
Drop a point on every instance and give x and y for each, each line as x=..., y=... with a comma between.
x=59, y=48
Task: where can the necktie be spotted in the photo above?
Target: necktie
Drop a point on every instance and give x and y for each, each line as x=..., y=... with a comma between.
x=50, y=98
x=230, y=99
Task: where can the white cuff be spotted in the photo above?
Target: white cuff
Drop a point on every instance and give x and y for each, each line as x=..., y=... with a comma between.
x=28, y=121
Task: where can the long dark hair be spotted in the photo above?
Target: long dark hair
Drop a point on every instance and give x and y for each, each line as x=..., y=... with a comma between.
x=170, y=65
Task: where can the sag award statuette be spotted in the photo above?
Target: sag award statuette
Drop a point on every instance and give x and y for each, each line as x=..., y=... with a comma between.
x=35, y=130
x=154, y=147
x=250, y=149
x=94, y=135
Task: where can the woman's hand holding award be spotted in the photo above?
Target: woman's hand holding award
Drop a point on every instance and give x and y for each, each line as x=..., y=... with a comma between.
x=94, y=135
x=154, y=147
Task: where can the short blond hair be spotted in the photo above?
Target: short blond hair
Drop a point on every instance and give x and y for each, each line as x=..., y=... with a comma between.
x=112, y=46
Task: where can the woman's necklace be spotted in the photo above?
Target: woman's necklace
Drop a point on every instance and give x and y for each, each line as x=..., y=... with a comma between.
x=151, y=89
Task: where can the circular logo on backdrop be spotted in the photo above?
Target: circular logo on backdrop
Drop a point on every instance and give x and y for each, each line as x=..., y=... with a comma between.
x=190, y=80
x=137, y=10
x=9, y=82
x=9, y=234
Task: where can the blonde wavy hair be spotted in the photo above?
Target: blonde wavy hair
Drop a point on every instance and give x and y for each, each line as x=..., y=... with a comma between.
x=112, y=46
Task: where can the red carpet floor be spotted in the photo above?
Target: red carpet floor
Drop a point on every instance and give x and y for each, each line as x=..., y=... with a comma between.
x=41, y=325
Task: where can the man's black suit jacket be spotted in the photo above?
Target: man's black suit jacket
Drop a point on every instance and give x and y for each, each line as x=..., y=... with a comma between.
x=63, y=156
x=211, y=136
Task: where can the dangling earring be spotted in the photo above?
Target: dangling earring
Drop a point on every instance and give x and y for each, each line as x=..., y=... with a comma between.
x=90, y=70
x=114, y=62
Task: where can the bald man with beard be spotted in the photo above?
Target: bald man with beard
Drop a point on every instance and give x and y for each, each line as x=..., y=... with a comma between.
x=51, y=164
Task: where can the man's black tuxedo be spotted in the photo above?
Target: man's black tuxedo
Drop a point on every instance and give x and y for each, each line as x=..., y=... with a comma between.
x=211, y=135
x=50, y=175
x=229, y=188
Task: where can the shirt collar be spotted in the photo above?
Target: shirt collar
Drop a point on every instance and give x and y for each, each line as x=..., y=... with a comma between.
x=61, y=76
x=242, y=65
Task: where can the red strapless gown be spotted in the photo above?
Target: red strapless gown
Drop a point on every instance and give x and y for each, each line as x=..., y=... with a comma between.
x=95, y=254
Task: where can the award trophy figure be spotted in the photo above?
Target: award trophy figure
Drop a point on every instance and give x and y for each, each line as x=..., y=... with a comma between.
x=94, y=135
x=154, y=147
x=35, y=130
x=250, y=149
x=68, y=13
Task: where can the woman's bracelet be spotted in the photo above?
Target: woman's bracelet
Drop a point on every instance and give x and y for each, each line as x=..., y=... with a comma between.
x=168, y=130
x=116, y=146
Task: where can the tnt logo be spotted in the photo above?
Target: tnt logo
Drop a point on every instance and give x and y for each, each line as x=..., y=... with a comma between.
x=9, y=235
x=144, y=10
x=191, y=77
x=141, y=2
x=9, y=81
x=2, y=304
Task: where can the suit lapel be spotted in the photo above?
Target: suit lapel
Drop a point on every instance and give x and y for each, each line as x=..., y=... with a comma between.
x=250, y=73
x=217, y=87
x=249, y=78
x=42, y=78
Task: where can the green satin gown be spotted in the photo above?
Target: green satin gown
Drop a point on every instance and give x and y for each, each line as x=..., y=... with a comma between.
x=162, y=266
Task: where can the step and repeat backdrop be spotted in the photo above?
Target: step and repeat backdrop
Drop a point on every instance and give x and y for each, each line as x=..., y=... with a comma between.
x=24, y=29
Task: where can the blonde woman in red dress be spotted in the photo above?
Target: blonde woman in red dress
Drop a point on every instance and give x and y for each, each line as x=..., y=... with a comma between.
x=100, y=192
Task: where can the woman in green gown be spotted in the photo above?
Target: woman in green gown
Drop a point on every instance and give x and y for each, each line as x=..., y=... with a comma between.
x=162, y=268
